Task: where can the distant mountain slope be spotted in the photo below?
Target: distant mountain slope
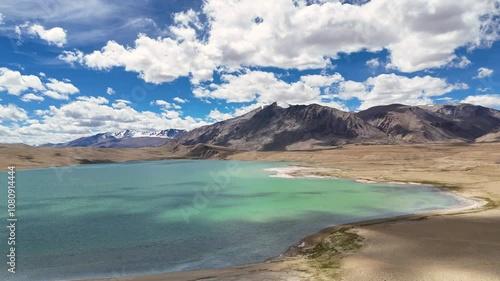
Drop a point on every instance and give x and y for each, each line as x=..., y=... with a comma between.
x=472, y=121
x=303, y=127
x=409, y=123
x=124, y=139
x=437, y=123
x=295, y=127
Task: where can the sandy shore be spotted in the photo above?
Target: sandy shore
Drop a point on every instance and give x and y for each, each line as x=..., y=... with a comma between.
x=461, y=245
x=456, y=245
x=466, y=203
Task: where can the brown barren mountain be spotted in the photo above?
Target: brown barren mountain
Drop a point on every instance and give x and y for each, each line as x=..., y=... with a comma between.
x=293, y=128
x=314, y=126
x=436, y=123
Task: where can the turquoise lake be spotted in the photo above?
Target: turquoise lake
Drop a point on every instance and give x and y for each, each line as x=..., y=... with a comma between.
x=108, y=220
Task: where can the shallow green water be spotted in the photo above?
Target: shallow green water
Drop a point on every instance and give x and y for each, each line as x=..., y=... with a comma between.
x=149, y=217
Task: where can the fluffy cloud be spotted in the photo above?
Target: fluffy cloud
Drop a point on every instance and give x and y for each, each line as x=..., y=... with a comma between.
x=72, y=57
x=484, y=100
x=217, y=116
x=391, y=88
x=460, y=62
x=14, y=83
x=54, y=36
x=110, y=91
x=119, y=103
x=165, y=105
x=264, y=87
x=1, y=19
x=169, y=110
x=483, y=72
x=61, y=87
x=31, y=97
x=12, y=113
x=417, y=34
x=95, y=100
x=171, y=114
x=321, y=80
x=85, y=116
x=56, y=95
x=156, y=60
x=59, y=90
x=373, y=63
x=179, y=100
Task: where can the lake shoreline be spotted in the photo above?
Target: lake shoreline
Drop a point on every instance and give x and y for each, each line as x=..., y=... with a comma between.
x=470, y=171
x=468, y=204
x=308, y=242
x=296, y=249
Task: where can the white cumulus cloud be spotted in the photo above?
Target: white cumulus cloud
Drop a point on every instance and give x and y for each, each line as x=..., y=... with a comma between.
x=55, y=95
x=86, y=116
x=321, y=80
x=31, y=97
x=62, y=87
x=121, y=103
x=217, y=116
x=96, y=100
x=484, y=100
x=165, y=104
x=54, y=36
x=110, y=91
x=391, y=88
x=179, y=100
x=12, y=113
x=156, y=60
x=483, y=72
x=373, y=63
x=59, y=90
x=265, y=87
x=14, y=83
x=460, y=62
x=417, y=34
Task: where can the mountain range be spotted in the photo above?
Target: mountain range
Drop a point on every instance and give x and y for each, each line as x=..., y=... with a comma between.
x=314, y=126
x=434, y=123
x=304, y=127
x=124, y=139
x=295, y=127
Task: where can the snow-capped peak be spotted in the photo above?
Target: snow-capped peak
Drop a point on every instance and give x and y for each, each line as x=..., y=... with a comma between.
x=167, y=134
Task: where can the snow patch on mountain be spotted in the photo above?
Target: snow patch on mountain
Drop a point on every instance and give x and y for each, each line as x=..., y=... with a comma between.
x=166, y=134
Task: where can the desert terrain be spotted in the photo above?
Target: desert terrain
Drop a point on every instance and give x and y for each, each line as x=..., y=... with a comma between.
x=29, y=157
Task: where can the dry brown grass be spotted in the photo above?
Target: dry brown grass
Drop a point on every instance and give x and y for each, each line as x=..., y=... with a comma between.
x=28, y=157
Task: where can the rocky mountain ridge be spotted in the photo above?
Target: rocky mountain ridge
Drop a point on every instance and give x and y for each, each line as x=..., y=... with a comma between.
x=314, y=126
x=124, y=139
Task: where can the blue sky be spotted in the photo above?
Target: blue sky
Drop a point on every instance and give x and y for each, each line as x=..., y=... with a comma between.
x=71, y=68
